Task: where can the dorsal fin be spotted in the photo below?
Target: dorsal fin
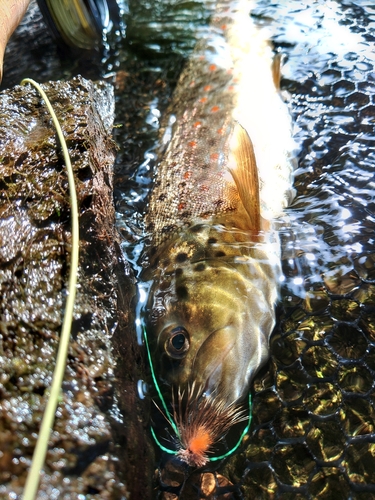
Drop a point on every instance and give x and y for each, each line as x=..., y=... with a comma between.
x=244, y=171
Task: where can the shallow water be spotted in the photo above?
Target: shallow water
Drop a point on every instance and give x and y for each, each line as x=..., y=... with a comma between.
x=313, y=426
x=313, y=404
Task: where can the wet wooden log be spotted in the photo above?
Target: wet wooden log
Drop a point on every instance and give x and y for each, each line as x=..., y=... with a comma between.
x=98, y=445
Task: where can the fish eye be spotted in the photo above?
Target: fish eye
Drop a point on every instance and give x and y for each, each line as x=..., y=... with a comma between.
x=177, y=344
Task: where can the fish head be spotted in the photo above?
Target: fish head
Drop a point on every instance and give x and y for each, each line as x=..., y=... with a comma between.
x=210, y=335
x=211, y=332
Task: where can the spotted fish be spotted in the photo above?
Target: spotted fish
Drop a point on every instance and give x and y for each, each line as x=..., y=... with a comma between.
x=212, y=261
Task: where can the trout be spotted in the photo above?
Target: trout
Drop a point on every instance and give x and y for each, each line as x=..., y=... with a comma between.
x=212, y=260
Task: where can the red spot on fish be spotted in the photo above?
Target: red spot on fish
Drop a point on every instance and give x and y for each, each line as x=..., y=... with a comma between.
x=223, y=27
x=207, y=88
x=230, y=71
x=181, y=206
x=205, y=188
x=203, y=99
x=214, y=156
x=212, y=67
x=197, y=124
x=220, y=131
x=187, y=174
x=201, y=58
x=192, y=144
x=214, y=109
x=192, y=83
x=231, y=88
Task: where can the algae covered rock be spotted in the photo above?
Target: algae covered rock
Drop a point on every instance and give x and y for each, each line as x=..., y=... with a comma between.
x=35, y=238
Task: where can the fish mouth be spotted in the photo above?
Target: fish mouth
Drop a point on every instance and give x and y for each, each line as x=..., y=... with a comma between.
x=207, y=410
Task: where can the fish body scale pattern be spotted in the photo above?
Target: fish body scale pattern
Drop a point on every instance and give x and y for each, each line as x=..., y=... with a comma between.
x=214, y=92
x=190, y=180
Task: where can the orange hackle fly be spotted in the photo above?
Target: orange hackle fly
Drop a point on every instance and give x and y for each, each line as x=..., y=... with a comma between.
x=202, y=421
x=193, y=451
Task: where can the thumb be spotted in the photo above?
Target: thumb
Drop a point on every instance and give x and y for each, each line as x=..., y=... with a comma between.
x=11, y=13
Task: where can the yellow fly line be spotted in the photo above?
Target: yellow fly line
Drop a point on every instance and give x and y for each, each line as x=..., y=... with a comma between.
x=33, y=477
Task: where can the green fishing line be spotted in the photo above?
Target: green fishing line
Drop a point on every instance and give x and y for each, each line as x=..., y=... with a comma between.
x=171, y=421
x=244, y=432
x=167, y=414
x=163, y=448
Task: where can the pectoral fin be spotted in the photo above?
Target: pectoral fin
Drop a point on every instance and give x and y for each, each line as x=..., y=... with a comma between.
x=276, y=69
x=244, y=171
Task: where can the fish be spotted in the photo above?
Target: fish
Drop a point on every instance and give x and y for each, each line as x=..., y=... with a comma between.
x=212, y=254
